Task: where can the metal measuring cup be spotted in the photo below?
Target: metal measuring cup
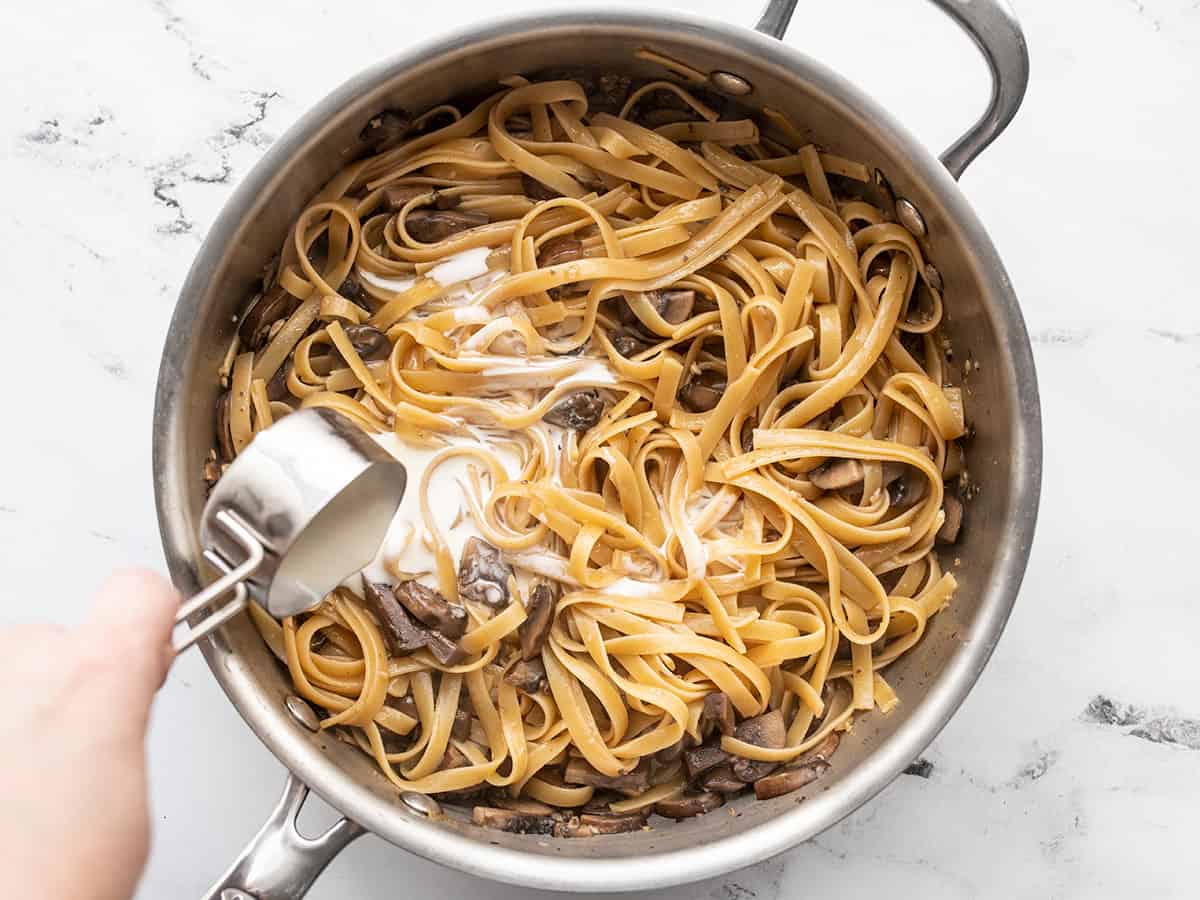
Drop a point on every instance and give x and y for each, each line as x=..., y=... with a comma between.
x=304, y=506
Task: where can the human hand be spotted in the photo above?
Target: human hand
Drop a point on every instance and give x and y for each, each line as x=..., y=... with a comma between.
x=75, y=820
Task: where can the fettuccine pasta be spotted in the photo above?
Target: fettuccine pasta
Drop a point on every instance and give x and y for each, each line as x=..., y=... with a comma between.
x=679, y=434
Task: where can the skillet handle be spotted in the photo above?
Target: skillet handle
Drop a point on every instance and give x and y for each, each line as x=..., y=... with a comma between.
x=993, y=27
x=280, y=863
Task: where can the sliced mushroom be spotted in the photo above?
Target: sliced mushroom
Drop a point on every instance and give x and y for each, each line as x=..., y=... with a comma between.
x=539, y=613
x=444, y=650
x=224, y=435
x=386, y=130
x=396, y=198
x=628, y=344
x=535, y=190
x=908, y=489
x=700, y=759
x=395, y=743
x=956, y=461
x=674, y=306
x=454, y=758
x=767, y=731
x=717, y=714
x=823, y=751
x=431, y=225
x=631, y=783
x=431, y=608
x=401, y=633
x=461, y=729
x=689, y=805
x=703, y=393
x=721, y=780
x=528, y=676
x=265, y=310
x=405, y=704
x=578, y=411
x=953, y=509
x=591, y=824
x=350, y=288
x=483, y=575
x=277, y=388
x=837, y=474
x=787, y=780
x=675, y=751
x=521, y=805
x=369, y=342
x=512, y=821
x=559, y=250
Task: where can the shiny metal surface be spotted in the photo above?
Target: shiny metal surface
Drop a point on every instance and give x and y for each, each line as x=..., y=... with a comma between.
x=302, y=712
x=910, y=217
x=729, y=84
x=984, y=321
x=993, y=27
x=281, y=863
x=303, y=507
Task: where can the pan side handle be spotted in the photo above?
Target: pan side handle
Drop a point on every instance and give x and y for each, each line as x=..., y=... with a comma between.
x=280, y=863
x=993, y=27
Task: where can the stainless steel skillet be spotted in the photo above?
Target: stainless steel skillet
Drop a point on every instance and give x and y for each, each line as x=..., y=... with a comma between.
x=985, y=326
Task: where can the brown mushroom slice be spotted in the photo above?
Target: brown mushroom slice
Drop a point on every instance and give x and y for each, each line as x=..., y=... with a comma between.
x=431, y=608
x=766, y=731
x=823, y=751
x=224, y=435
x=837, y=474
x=277, y=388
x=559, y=250
x=512, y=821
x=266, y=309
x=628, y=344
x=432, y=225
x=461, y=729
x=483, y=575
x=444, y=650
x=386, y=130
x=675, y=751
x=704, y=392
x=539, y=613
x=908, y=489
x=674, y=306
x=700, y=759
x=578, y=771
x=406, y=705
x=721, y=780
x=535, y=190
x=401, y=633
x=956, y=461
x=369, y=342
x=689, y=805
x=953, y=509
x=578, y=411
x=528, y=676
x=592, y=824
x=454, y=758
x=521, y=805
x=787, y=780
x=717, y=713
x=396, y=198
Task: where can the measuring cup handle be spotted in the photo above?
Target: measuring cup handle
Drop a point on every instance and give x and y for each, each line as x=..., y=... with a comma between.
x=280, y=863
x=994, y=28
x=232, y=579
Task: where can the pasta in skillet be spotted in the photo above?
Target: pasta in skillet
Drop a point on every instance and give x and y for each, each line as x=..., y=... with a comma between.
x=677, y=402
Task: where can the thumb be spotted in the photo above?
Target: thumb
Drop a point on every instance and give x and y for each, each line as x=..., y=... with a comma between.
x=135, y=609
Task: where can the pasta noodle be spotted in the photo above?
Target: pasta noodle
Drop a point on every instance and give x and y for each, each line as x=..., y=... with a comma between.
x=672, y=397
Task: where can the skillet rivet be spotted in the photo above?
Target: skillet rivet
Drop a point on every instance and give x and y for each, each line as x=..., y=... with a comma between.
x=302, y=712
x=910, y=217
x=235, y=894
x=728, y=83
x=933, y=277
x=421, y=803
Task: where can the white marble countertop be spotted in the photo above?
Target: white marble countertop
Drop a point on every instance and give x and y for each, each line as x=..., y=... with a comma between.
x=1072, y=771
